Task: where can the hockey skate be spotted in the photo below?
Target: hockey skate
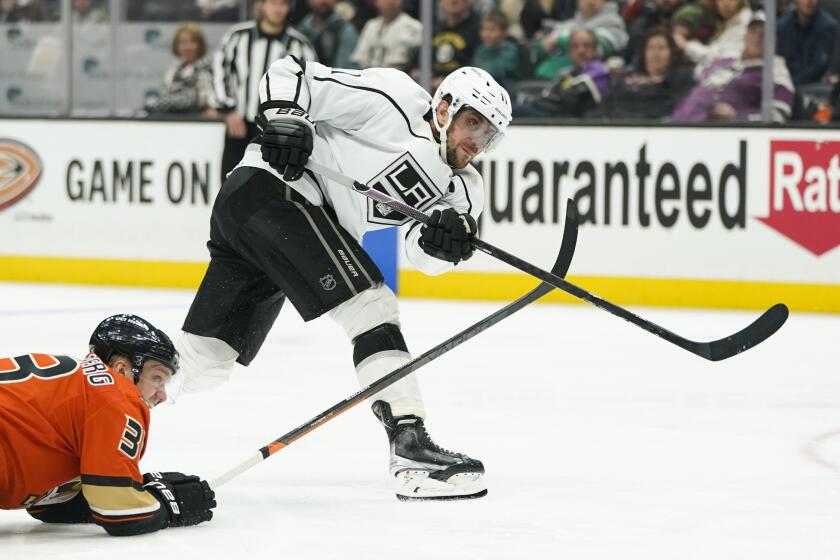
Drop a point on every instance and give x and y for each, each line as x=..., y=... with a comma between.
x=424, y=470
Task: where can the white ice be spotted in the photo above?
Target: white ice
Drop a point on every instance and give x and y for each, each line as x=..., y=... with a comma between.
x=600, y=440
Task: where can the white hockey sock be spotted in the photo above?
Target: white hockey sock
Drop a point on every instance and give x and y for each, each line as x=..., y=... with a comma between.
x=206, y=362
x=404, y=395
x=371, y=320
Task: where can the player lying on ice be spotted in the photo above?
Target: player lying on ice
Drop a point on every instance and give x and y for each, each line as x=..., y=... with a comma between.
x=72, y=434
x=280, y=231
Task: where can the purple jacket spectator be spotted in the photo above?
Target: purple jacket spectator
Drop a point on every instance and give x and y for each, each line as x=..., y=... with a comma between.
x=576, y=91
x=730, y=88
x=736, y=83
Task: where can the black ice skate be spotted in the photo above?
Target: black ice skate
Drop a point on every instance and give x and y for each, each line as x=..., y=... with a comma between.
x=423, y=469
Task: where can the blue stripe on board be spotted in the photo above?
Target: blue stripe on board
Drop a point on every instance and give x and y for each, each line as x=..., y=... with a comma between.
x=381, y=245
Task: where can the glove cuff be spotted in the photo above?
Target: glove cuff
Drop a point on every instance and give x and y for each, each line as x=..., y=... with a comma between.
x=286, y=110
x=163, y=492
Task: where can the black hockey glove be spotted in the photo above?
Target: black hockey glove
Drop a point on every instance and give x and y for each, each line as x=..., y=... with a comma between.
x=188, y=499
x=448, y=236
x=287, y=141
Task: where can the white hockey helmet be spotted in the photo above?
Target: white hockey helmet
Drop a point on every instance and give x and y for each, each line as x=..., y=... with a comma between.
x=473, y=87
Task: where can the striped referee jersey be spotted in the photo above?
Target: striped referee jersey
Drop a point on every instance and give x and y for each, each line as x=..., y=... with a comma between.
x=244, y=57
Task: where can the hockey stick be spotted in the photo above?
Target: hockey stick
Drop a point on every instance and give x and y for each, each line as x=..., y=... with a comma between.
x=561, y=266
x=759, y=330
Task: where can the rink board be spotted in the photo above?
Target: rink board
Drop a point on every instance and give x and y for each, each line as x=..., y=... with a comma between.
x=710, y=217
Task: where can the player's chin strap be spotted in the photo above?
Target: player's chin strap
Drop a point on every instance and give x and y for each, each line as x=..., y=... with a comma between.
x=442, y=130
x=137, y=362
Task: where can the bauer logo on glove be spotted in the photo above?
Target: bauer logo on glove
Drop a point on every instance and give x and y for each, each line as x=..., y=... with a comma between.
x=188, y=499
x=287, y=140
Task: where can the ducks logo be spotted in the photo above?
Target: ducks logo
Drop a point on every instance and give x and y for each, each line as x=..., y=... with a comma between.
x=20, y=170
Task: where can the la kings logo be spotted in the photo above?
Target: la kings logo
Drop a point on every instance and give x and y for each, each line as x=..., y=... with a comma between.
x=403, y=180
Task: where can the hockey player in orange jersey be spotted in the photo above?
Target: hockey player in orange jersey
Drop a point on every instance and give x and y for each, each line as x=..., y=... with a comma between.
x=72, y=434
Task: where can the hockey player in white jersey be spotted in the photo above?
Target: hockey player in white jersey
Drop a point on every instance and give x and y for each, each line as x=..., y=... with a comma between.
x=280, y=231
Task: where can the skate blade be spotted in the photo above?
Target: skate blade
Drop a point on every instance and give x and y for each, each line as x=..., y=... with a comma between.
x=416, y=485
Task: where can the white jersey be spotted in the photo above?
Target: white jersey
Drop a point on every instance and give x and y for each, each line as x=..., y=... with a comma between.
x=370, y=126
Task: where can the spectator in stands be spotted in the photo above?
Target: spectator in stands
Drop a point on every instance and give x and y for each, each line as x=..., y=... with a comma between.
x=15, y=11
x=455, y=38
x=727, y=42
x=602, y=17
x=805, y=39
x=513, y=12
x=657, y=85
x=84, y=11
x=730, y=89
x=188, y=84
x=643, y=15
x=576, y=91
x=497, y=53
x=539, y=16
x=358, y=12
x=389, y=40
x=333, y=37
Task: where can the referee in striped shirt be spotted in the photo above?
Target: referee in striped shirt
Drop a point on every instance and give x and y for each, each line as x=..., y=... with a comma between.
x=246, y=52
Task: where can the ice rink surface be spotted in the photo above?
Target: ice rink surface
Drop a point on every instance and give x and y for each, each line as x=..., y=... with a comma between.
x=600, y=440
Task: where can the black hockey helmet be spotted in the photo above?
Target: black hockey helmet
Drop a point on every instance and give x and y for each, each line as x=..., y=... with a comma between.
x=136, y=338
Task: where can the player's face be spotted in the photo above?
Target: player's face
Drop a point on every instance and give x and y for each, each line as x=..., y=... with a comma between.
x=152, y=382
x=468, y=135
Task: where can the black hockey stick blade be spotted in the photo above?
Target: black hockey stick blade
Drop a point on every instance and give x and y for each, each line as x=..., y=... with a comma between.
x=768, y=323
x=755, y=333
x=561, y=266
x=763, y=327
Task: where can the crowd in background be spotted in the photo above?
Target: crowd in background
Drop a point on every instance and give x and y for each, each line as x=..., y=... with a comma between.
x=662, y=60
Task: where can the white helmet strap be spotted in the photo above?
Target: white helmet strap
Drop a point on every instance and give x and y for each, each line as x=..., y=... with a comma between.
x=442, y=130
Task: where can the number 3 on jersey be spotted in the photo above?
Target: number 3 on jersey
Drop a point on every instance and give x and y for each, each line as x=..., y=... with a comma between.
x=42, y=366
x=132, y=438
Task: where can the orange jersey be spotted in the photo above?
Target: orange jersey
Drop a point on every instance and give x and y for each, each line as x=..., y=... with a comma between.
x=62, y=420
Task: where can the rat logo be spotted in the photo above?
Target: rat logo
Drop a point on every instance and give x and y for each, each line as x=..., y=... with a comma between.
x=805, y=193
x=20, y=170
